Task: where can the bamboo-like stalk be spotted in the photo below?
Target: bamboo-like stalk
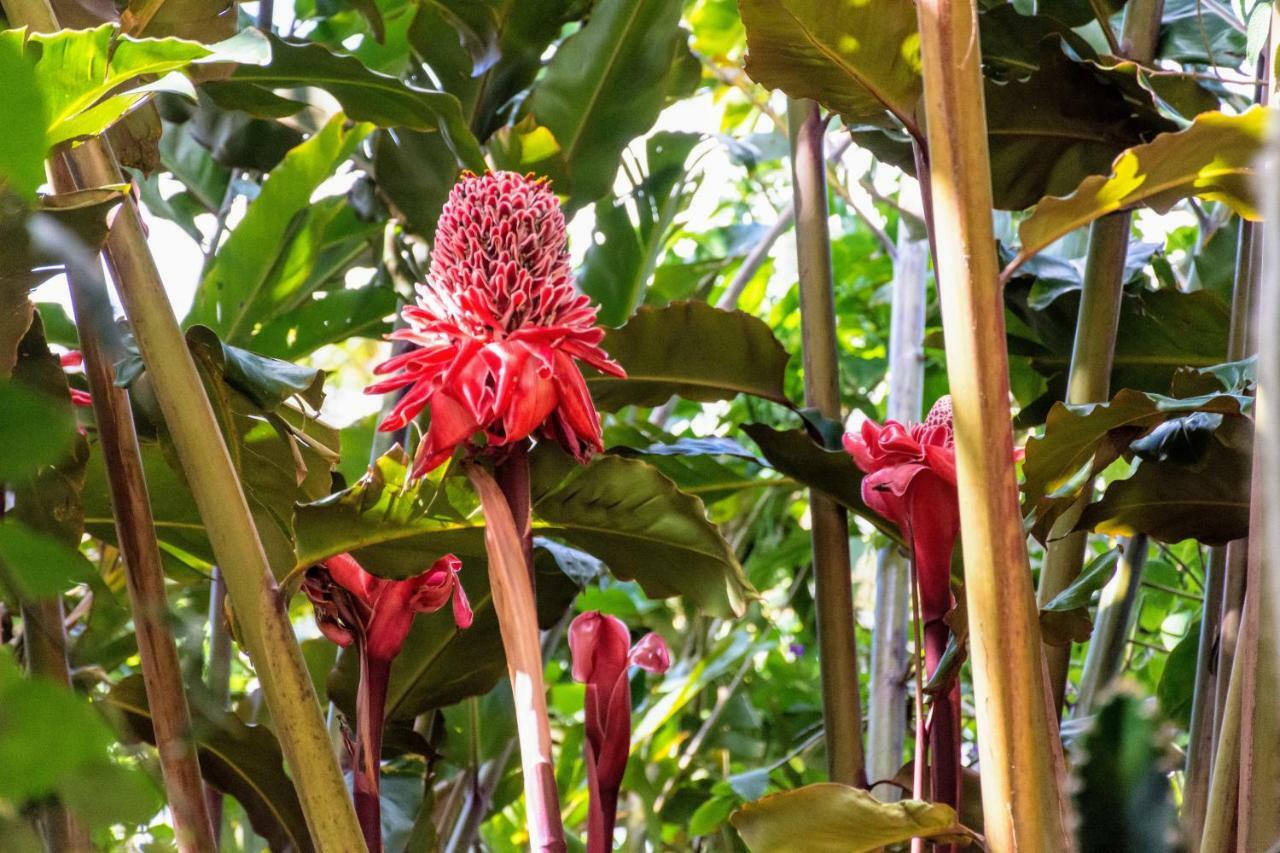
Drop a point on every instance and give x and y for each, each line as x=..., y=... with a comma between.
x=1018, y=742
x=1224, y=784
x=1259, y=820
x=260, y=607
x=518, y=620
x=886, y=706
x=1111, y=630
x=837, y=642
x=144, y=572
x=1092, y=354
x=1201, y=733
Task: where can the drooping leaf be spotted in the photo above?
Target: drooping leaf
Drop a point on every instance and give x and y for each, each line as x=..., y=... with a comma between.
x=604, y=87
x=1177, y=685
x=692, y=350
x=365, y=95
x=1212, y=159
x=1205, y=499
x=242, y=761
x=1065, y=619
x=833, y=472
x=861, y=60
x=1123, y=797
x=827, y=817
x=242, y=287
x=709, y=468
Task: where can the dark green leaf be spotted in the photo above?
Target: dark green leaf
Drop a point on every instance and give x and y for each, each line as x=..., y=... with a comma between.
x=38, y=566
x=692, y=350
x=33, y=430
x=1177, y=686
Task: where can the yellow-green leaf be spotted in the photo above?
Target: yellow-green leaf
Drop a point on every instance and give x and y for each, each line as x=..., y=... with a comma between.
x=831, y=818
x=1214, y=158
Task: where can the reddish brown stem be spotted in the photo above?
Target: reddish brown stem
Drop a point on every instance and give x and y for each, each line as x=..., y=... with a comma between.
x=512, y=475
x=602, y=811
x=371, y=703
x=944, y=727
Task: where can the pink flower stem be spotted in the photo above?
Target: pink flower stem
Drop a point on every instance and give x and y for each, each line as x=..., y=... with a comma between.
x=512, y=475
x=371, y=701
x=944, y=727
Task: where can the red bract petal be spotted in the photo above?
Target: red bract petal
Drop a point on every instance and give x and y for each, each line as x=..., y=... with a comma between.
x=532, y=400
x=351, y=576
x=74, y=358
x=81, y=398
x=399, y=601
x=598, y=647
x=651, y=653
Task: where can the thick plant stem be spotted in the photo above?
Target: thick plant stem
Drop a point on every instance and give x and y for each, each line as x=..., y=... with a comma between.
x=886, y=706
x=1201, y=734
x=144, y=572
x=1089, y=381
x=518, y=621
x=1224, y=784
x=837, y=643
x=1259, y=820
x=260, y=608
x=1020, y=750
x=218, y=675
x=371, y=706
x=1111, y=629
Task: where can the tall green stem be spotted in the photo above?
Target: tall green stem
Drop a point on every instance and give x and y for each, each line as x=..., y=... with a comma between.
x=1259, y=711
x=260, y=607
x=1022, y=773
x=837, y=642
x=1224, y=784
x=1111, y=629
x=1089, y=380
x=1201, y=734
x=144, y=572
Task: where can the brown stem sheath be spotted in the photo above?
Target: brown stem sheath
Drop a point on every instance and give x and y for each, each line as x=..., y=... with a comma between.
x=371, y=705
x=518, y=621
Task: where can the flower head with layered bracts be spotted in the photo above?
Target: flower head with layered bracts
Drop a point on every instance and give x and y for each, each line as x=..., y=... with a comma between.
x=497, y=328
x=601, y=649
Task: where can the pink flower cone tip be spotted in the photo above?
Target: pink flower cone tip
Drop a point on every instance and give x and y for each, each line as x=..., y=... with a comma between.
x=498, y=328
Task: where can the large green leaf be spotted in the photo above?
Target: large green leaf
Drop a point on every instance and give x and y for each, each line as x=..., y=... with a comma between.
x=23, y=147
x=1214, y=158
x=604, y=87
x=263, y=269
x=364, y=95
x=1205, y=499
x=89, y=78
x=1065, y=619
x=34, y=429
x=692, y=350
x=861, y=60
x=831, y=818
x=240, y=760
x=1123, y=797
x=620, y=510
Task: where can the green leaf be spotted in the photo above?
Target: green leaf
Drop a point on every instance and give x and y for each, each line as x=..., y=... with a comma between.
x=22, y=108
x=328, y=318
x=1123, y=797
x=1171, y=501
x=692, y=350
x=1177, y=685
x=415, y=171
x=268, y=382
x=857, y=59
x=33, y=430
x=1212, y=159
x=365, y=95
x=1192, y=32
x=242, y=287
x=1065, y=619
x=242, y=761
x=37, y=566
x=831, y=818
x=832, y=472
x=644, y=529
x=604, y=87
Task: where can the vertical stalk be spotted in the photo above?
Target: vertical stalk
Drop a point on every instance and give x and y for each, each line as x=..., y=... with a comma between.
x=1017, y=738
x=1089, y=379
x=218, y=676
x=371, y=707
x=886, y=707
x=1259, y=819
x=518, y=621
x=144, y=572
x=837, y=642
x=1201, y=734
x=1224, y=784
x=260, y=608
x=1113, y=626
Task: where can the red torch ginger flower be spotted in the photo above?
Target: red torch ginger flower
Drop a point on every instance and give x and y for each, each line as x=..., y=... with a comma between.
x=498, y=326
x=375, y=614
x=911, y=480
x=600, y=647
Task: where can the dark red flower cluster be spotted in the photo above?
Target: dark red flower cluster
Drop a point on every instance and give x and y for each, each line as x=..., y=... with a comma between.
x=497, y=328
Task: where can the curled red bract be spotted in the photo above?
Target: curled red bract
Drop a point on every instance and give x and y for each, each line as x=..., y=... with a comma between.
x=498, y=328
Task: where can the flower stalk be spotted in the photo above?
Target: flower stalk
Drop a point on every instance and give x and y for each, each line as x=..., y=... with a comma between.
x=837, y=642
x=1022, y=770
